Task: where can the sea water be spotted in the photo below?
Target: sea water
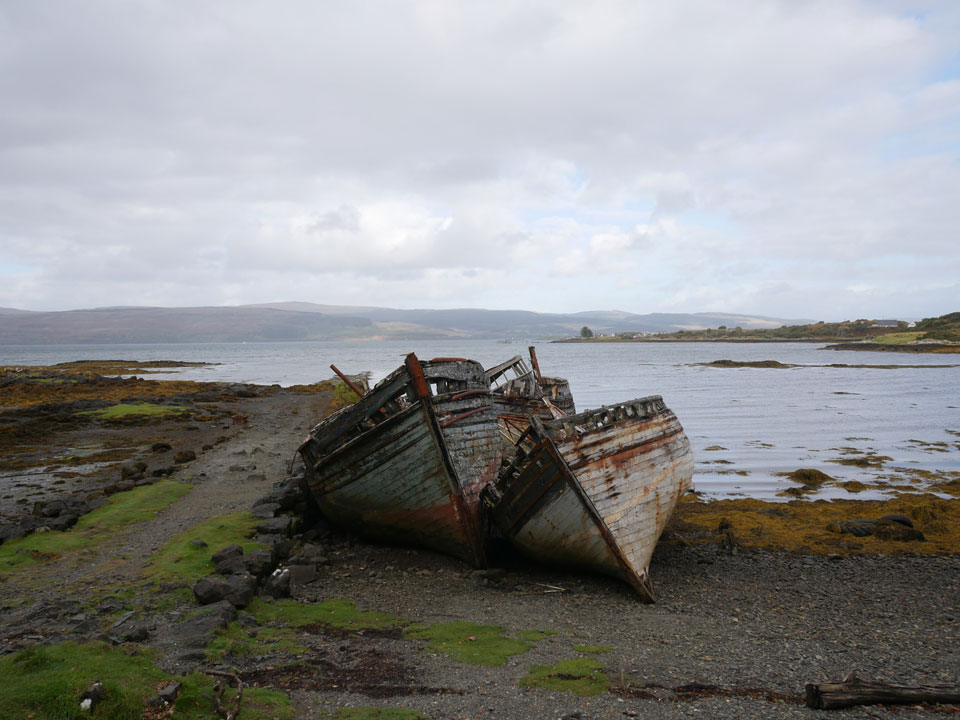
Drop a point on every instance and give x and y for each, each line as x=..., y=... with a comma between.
x=748, y=426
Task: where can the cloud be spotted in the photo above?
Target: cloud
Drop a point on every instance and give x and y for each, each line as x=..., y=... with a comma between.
x=746, y=156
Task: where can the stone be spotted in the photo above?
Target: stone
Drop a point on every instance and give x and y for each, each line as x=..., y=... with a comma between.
x=302, y=574
x=897, y=518
x=287, y=494
x=128, y=629
x=161, y=447
x=210, y=590
x=184, y=456
x=277, y=543
x=282, y=525
x=162, y=472
x=53, y=509
x=265, y=511
x=9, y=531
x=236, y=589
x=259, y=562
x=63, y=522
x=895, y=530
x=311, y=554
x=130, y=471
x=199, y=544
x=231, y=565
x=224, y=553
x=197, y=631
x=858, y=528
x=170, y=692
x=277, y=585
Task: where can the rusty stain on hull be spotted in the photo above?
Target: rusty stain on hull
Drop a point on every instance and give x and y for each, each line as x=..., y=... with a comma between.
x=407, y=461
x=595, y=490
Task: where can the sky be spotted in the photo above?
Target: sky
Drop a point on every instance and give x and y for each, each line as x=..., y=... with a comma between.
x=788, y=158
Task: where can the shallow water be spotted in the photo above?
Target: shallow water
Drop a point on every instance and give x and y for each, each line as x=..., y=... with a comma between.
x=766, y=420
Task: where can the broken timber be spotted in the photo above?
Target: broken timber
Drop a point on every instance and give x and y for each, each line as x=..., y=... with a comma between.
x=854, y=691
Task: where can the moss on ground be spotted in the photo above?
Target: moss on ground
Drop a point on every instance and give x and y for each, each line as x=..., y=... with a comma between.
x=580, y=676
x=333, y=613
x=236, y=641
x=123, y=411
x=48, y=682
x=137, y=505
x=471, y=643
x=801, y=526
x=186, y=557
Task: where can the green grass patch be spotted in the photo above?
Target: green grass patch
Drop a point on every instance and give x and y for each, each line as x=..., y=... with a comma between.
x=580, y=676
x=374, y=713
x=471, y=643
x=334, y=613
x=235, y=641
x=137, y=505
x=536, y=635
x=47, y=683
x=184, y=559
x=592, y=649
x=125, y=410
x=896, y=338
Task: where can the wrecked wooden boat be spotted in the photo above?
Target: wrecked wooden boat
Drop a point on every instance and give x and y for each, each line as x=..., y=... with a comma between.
x=520, y=391
x=595, y=490
x=406, y=463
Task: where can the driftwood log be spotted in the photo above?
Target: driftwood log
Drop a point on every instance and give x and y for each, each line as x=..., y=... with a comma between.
x=854, y=691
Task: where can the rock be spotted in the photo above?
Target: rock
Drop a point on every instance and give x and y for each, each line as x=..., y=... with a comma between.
x=199, y=544
x=169, y=692
x=898, y=518
x=128, y=629
x=162, y=472
x=311, y=554
x=858, y=528
x=161, y=447
x=282, y=525
x=92, y=697
x=278, y=544
x=302, y=574
x=265, y=511
x=210, y=590
x=184, y=456
x=191, y=636
x=224, y=553
x=236, y=589
x=895, y=530
x=130, y=471
x=63, y=522
x=230, y=565
x=259, y=562
x=287, y=494
x=277, y=585
x=11, y=532
x=53, y=509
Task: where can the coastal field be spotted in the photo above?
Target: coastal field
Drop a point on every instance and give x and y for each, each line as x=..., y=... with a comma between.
x=117, y=490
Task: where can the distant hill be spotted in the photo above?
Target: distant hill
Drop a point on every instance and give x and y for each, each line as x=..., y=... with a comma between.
x=301, y=321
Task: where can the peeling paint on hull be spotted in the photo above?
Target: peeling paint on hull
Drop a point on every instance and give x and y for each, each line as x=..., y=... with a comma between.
x=595, y=490
x=406, y=463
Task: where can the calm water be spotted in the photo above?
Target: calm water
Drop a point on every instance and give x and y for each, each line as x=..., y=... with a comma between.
x=767, y=421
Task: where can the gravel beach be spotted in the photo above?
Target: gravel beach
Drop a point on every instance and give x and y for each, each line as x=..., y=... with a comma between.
x=735, y=633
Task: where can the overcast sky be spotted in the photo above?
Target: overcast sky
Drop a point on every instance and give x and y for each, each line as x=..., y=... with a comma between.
x=796, y=158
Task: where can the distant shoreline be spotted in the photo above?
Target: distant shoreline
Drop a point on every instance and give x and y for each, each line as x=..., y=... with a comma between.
x=829, y=344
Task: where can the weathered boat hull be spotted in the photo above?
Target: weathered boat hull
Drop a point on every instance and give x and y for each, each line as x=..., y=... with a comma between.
x=527, y=393
x=595, y=490
x=406, y=463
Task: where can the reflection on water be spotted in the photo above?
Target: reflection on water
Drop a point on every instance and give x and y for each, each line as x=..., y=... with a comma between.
x=766, y=421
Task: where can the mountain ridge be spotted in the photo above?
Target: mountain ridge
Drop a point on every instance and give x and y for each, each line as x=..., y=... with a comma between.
x=305, y=321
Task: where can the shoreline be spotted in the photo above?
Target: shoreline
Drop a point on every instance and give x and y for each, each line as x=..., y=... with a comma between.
x=748, y=623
